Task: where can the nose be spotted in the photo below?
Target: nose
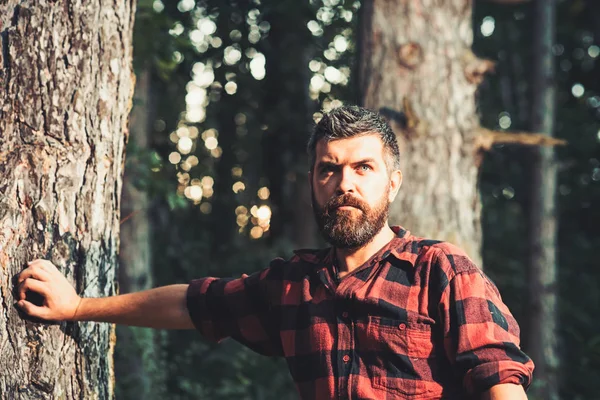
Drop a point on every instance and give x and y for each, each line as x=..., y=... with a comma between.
x=346, y=183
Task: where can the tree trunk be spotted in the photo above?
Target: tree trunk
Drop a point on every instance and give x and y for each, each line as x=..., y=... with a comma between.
x=135, y=273
x=65, y=93
x=289, y=119
x=417, y=69
x=542, y=309
x=136, y=355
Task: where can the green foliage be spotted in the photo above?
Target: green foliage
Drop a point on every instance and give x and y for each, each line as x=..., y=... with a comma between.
x=148, y=380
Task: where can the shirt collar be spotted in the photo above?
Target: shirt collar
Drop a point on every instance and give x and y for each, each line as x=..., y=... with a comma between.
x=399, y=247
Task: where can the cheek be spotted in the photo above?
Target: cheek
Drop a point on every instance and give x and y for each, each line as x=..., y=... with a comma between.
x=374, y=190
x=320, y=192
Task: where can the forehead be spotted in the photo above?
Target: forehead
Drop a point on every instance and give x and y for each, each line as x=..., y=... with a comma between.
x=350, y=149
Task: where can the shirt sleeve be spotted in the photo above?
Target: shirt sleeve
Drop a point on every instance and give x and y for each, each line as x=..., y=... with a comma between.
x=481, y=337
x=237, y=308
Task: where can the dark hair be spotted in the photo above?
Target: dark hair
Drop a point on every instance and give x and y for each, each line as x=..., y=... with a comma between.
x=349, y=121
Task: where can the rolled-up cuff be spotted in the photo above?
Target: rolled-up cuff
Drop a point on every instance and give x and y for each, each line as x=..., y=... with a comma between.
x=484, y=376
x=197, y=305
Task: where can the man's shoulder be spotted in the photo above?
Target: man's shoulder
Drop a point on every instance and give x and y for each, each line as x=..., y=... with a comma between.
x=311, y=256
x=414, y=247
x=299, y=264
x=442, y=247
x=440, y=253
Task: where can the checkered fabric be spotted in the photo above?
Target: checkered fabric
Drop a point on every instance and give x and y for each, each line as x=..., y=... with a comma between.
x=417, y=321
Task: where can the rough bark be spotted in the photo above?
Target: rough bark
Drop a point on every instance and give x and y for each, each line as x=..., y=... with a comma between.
x=65, y=93
x=417, y=68
x=542, y=308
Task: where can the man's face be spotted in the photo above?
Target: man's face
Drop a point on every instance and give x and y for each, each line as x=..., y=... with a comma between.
x=352, y=189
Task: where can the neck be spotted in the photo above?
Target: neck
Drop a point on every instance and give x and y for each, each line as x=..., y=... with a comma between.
x=350, y=259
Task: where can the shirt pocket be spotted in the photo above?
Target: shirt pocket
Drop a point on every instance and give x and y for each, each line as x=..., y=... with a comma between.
x=399, y=357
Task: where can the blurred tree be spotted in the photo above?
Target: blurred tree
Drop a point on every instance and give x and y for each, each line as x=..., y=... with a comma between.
x=542, y=311
x=578, y=119
x=138, y=363
x=418, y=70
x=140, y=367
x=66, y=93
x=504, y=34
x=287, y=115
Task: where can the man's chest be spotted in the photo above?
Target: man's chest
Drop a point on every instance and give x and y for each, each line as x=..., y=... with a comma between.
x=374, y=331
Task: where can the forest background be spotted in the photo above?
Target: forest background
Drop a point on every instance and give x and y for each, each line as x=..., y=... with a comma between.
x=226, y=94
x=225, y=98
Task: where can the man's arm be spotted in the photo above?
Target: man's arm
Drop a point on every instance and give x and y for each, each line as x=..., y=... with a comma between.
x=507, y=391
x=164, y=307
x=484, y=336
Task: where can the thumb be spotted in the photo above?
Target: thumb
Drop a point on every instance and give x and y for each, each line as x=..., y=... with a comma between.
x=32, y=310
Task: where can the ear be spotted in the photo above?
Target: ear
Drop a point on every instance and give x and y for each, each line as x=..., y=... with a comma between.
x=395, y=183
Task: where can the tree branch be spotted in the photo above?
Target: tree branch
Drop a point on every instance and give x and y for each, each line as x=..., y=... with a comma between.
x=507, y=1
x=476, y=68
x=486, y=138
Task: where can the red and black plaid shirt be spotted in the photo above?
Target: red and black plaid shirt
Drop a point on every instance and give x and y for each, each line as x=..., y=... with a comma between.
x=418, y=320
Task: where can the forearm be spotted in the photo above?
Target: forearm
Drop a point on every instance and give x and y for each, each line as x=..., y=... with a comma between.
x=507, y=391
x=162, y=308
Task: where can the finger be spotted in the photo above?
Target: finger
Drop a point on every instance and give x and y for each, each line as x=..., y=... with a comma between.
x=32, y=310
x=34, y=285
x=35, y=273
x=43, y=264
x=49, y=267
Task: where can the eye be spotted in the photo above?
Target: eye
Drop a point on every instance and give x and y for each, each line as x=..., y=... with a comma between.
x=325, y=170
x=365, y=167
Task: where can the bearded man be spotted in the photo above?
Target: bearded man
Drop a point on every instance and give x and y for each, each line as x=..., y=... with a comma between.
x=381, y=314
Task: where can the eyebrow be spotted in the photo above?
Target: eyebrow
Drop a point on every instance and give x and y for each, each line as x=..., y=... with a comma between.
x=321, y=164
x=364, y=161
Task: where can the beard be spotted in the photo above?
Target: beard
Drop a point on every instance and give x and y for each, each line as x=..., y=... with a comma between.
x=350, y=229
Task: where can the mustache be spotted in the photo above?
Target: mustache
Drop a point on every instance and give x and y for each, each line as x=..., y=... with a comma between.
x=344, y=200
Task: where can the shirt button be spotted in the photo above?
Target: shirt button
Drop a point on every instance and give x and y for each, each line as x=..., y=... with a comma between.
x=402, y=326
x=346, y=358
x=345, y=314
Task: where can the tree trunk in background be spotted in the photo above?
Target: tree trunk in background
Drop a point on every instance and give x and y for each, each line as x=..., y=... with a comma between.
x=65, y=93
x=289, y=120
x=415, y=58
x=136, y=358
x=135, y=255
x=542, y=308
